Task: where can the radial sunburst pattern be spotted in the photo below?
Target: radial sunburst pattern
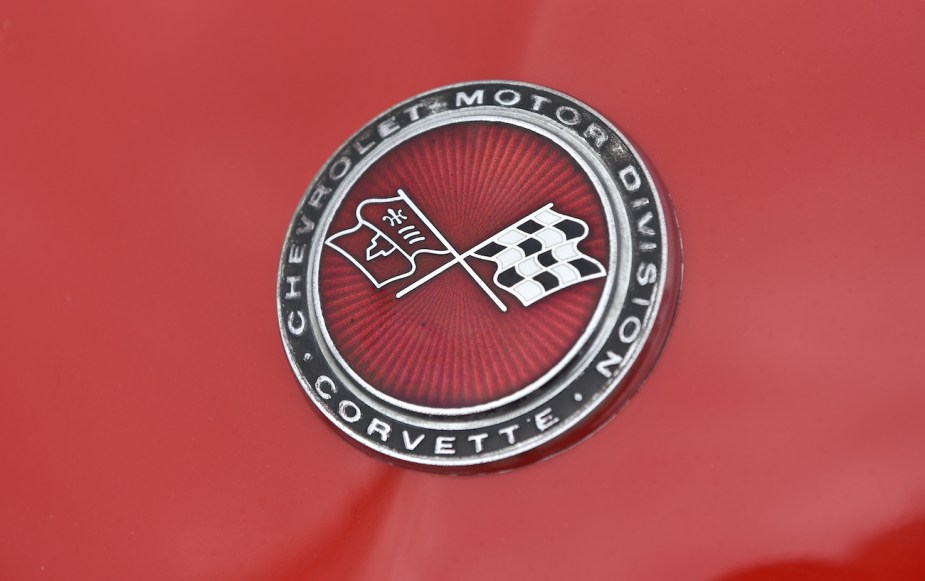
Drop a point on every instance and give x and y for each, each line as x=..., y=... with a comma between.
x=446, y=344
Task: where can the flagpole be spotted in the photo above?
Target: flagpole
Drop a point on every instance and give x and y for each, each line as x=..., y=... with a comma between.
x=456, y=258
x=434, y=273
x=424, y=279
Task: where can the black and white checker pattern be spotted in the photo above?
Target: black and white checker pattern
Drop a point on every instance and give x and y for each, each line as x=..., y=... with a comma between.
x=539, y=255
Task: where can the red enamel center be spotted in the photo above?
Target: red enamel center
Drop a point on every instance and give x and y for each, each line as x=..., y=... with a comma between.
x=447, y=344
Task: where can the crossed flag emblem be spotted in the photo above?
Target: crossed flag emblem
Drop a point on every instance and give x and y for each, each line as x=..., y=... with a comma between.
x=535, y=257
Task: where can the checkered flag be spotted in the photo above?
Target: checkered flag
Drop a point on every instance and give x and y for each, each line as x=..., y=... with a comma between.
x=539, y=255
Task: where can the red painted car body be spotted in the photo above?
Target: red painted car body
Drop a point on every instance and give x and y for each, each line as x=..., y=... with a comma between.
x=152, y=154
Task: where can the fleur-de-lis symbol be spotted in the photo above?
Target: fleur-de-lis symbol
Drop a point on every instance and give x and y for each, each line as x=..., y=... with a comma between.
x=394, y=217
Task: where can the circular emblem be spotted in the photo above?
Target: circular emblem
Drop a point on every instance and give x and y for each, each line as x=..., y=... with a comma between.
x=478, y=278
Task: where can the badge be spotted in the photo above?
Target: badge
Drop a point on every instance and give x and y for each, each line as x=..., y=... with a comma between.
x=478, y=278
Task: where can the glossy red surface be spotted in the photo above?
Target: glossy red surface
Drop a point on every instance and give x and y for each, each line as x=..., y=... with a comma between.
x=151, y=155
